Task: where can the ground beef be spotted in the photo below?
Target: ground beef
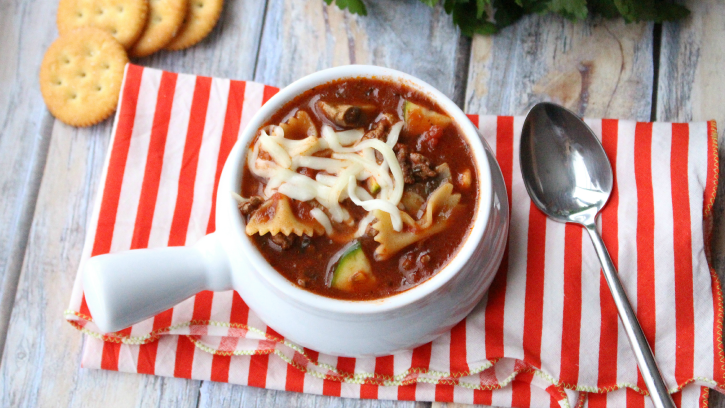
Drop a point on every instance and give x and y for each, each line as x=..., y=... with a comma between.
x=250, y=205
x=380, y=128
x=283, y=241
x=380, y=131
x=415, y=166
x=402, y=153
x=422, y=169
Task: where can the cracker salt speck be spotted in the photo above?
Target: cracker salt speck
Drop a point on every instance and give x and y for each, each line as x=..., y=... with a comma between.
x=165, y=19
x=201, y=17
x=124, y=19
x=81, y=75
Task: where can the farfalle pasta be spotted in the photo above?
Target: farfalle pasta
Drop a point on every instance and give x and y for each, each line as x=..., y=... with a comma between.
x=359, y=189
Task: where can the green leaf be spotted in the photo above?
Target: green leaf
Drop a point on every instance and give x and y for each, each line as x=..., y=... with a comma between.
x=571, y=9
x=466, y=16
x=507, y=12
x=650, y=10
x=481, y=8
x=353, y=6
x=472, y=18
x=605, y=8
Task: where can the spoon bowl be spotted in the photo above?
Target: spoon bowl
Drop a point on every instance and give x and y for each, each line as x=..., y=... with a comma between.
x=569, y=178
x=565, y=168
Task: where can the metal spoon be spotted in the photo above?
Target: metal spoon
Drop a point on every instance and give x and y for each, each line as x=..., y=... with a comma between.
x=568, y=176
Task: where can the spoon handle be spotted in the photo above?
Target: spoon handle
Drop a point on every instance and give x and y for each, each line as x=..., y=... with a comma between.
x=642, y=351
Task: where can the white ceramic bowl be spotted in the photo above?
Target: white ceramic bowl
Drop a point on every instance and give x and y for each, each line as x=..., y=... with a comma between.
x=124, y=288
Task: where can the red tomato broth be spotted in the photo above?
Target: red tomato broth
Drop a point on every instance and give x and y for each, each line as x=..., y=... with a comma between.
x=306, y=262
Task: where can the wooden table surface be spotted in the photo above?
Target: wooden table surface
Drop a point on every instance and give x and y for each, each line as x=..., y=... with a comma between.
x=50, y=171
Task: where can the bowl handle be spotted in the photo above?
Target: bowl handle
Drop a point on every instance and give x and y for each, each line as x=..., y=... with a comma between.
x=124, y=288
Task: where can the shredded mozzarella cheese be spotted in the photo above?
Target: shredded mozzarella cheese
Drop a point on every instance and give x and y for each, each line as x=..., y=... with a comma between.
x=352, y=159
x=363, y=226
x=394, y=134
x=349, y=137
x=377, y=204
x=279, y=155
x=322, y=218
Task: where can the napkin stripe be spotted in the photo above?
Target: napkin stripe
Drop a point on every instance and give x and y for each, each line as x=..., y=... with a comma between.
x=534, y=304
x=684, y=314
x=187, y=176
x=595, y=400
x=228, y=138
x=645, y=308
x=571, y=312
x=458, y=353
x=220, y=368
x=609, y=331
x=113, y=188
x=516, y=286
x=482, y=397
x=295, y=378
x=117, y=161
x=148, y=352
x=717, y=304
x=154, y=161
x=521, y=390
x=421, y=359
x=184, y=358
x=634, y=400
x=496, y=297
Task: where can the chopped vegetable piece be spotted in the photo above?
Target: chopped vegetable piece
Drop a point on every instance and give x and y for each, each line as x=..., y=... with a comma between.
x=464, y=179
x=373, y=186
x=353, y=270
x=419, y=119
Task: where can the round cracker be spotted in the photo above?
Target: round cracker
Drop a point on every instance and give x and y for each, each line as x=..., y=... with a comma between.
x=165, y=19
x=81, y=75
x=201, y=17
x=124, y=19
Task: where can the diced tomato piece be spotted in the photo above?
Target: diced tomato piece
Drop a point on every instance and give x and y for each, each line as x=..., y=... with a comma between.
x=429, y=140
x=306, y=171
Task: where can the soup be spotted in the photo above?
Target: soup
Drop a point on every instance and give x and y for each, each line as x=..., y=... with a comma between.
x=359, y=189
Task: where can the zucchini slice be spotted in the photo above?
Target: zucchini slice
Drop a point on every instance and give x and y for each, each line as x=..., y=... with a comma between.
x=419, y=119
x=373, y=186
x=353, y=271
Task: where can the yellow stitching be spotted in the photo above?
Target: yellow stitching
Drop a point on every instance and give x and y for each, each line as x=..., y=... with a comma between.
x=582, y=398
x=716, y=166
x=719, y=319
x=377, y=379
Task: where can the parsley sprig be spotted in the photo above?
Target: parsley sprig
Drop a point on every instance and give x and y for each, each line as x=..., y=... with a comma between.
x=472, y=16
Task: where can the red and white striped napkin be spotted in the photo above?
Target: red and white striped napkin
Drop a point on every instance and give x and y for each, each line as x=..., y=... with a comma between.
x=547, y=334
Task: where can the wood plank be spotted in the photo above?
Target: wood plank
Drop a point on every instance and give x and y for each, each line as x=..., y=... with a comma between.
x=24, y=134
x=404, y=35
x=691, y=87
x=598, y=68
x=228, y=395
x=42, y=353
x=42, y=359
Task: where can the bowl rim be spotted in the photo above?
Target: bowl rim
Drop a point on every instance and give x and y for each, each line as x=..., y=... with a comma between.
x=231, y=225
